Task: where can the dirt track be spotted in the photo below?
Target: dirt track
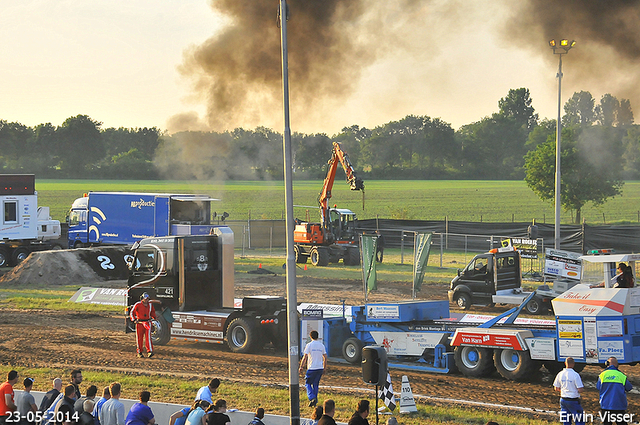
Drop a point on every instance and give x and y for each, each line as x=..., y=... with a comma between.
x=97, y=342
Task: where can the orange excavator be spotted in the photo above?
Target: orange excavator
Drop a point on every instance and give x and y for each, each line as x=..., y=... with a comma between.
x=334, y=238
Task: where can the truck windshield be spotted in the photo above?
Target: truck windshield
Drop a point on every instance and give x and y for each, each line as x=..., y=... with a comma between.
x=145, y=261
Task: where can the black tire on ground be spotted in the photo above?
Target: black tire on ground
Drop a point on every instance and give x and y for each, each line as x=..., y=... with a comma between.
x=78, y=244
x=553, y=367
x=320, y=256
x=536, y=306
x=515, y=365
x=300, y=257
x=351, y=257
x=242, y=335
x=56, y=247
x=462, y=300
x=160, y=333
x=4, y=257
x=474, y=361
x=352, y=350
x=19, y=255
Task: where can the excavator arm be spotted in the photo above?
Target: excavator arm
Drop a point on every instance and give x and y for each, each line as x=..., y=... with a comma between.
x=337, y=156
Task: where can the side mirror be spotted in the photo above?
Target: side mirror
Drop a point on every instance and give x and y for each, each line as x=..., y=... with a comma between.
x=459, y=272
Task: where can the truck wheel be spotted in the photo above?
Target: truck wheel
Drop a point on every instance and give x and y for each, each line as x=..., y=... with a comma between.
x=319, y=256
x=4, y=258
x=351, y=257
x=242, y=337
x=160, y=333
x=300, y=257
x=535, y=306
x=463, y=300
x=19, y=255
x=473, y=361
x=352, y=350
x=515, y=365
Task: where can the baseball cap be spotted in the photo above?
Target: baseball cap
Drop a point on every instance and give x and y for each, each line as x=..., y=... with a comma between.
x=144, y=295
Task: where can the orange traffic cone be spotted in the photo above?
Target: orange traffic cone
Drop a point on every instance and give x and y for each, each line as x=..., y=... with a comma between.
x=305, y=267
x=260, y=266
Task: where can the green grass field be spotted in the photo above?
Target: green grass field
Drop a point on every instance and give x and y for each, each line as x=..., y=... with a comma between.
x=493, y=201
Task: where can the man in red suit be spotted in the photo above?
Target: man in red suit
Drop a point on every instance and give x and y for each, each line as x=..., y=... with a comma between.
x=141, y=314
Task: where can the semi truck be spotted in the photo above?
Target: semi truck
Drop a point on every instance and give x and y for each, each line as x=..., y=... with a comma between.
x=192, y=278
x=590, y=325
x=496, y=278
x=123, y=218
x=25, y=227
x=335, y=237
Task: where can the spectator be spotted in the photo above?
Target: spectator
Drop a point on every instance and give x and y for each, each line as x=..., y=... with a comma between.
x=360, y=415
x=7, y=402
x=91, y=395
x=206, y=392
x=257, y=419
x=180, y=417
x=218, y=416
x=613, y=386
x=112, y=411
x=315, y=416
x=315, y=359
x=87, y=418
x=51, y=395
x=198, y=415
x=379, y=247
x=140, y=413
x=329, y=411
x=569, y=383
x=393, y=421
x=26, y=403
x=76, y=380
x=106, y=395
x=63, y=413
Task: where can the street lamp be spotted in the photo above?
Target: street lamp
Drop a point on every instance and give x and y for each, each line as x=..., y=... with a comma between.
x=559, y=49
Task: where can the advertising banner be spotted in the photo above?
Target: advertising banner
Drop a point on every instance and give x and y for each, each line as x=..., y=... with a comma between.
x=368, y=246
x=423, y=245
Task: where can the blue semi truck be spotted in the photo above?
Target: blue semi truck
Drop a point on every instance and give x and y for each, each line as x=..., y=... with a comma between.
x=122, y=218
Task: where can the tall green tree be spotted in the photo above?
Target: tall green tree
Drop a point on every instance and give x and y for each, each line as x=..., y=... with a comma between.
x=579, y=109
x=80, y=143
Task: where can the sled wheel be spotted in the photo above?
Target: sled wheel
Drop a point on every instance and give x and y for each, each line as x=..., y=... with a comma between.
x=474, y=361
x=160, y=331
x=242, y=336
x=352, y=350
x=515, y=365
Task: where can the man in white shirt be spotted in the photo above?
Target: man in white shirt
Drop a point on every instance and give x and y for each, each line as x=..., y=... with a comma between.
x=315, y=358
x=206, y=392
x=112, y=412
x=569, y=383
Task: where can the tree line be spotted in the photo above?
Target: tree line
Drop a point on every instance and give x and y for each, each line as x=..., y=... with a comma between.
x=600, y=149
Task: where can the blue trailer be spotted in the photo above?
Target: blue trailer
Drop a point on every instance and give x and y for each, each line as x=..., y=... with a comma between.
x=591, y=325
x=122, y=218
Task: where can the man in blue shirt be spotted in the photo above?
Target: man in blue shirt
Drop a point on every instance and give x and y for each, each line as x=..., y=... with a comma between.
x=206, y=392
x=613, y=386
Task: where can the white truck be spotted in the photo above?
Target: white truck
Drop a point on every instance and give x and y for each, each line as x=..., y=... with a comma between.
x=24, y=227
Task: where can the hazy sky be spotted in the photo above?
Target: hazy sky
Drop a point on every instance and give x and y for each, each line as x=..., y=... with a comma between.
x=141, y=63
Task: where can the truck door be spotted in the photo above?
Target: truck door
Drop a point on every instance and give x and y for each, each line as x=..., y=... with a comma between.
x=200, y=259
x=478, y=275
x=508, y=271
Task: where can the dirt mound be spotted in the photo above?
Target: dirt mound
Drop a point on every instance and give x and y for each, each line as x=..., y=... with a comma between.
x=50, y=268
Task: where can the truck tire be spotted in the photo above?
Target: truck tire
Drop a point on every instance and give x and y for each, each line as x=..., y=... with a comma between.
x=351, y=257
x=320, y=256
x=535, y=306
x=242, y=336
x=515, y=365
x=474, y=361
x=352, y=350
x=19, y=255
x=4, y=257
x=462, y=300
x=160, y=334
x=300, y=257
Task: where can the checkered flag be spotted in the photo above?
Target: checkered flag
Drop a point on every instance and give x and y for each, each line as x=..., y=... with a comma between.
x=386, y=394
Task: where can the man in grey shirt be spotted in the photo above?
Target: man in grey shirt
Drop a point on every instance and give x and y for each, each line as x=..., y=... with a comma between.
x=26, y=403
x=112, y=412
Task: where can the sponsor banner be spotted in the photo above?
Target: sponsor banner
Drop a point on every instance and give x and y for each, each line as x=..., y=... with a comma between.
x=571, y=348
x=608, y=349
x=541, y=348
x=562, y=264
x=328, y=310
x=313, y=314
x=383, y=312
x=505, y=340
x=571, y=329
x=480, y=318
x=528, y=248
x=407, y=344
x=102, y=296
x=195, y=333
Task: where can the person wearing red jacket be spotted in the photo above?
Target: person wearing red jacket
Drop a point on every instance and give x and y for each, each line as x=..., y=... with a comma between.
x=141, y=314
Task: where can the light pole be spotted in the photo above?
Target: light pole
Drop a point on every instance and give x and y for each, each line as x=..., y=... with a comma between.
x=559, y=50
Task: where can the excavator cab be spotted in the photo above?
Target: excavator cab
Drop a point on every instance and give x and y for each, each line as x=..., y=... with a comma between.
x=342, y=224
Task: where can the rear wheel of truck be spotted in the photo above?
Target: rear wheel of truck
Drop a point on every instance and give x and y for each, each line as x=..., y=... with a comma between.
x=535, y=306
x=4, y=257
x=463, y=300
x=319, y=256
x=160, y=332
x=19, y=255
x=474, y=361
x=515, y=365
x=352, y=350
x=242, y=336
x=351, y=257
x=300, y=257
